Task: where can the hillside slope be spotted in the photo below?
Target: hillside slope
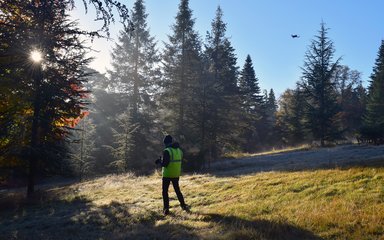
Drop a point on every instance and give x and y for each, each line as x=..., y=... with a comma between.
x=337, y=203
x=310, y=159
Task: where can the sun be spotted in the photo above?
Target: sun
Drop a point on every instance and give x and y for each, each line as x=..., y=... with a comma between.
x=36, y=56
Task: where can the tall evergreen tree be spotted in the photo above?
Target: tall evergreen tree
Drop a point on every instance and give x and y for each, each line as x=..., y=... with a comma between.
x=222, y=90
x=134, y=74
x=270, y=119
x=182, y=69
x=272, y=103
x=319, y=90
x=55, y=96
x=374, y=118
x=252, y=105
x=249, y=89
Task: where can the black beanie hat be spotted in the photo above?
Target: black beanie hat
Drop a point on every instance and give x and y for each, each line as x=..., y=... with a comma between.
x=168, y=139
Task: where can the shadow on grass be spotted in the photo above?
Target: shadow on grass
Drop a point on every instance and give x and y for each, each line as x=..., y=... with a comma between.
x=236, y=228
x=48, y=218
x=79, y=218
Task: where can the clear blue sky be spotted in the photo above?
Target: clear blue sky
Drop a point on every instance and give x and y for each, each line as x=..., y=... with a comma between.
x=262, y=29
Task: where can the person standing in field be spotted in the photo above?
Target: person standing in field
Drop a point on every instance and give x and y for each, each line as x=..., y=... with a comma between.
x=171, y=170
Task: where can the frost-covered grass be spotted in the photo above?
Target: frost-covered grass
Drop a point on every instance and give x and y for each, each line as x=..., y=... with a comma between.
x=316, y=204
x=272, y=151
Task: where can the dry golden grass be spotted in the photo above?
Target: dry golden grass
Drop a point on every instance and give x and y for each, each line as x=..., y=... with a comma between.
x=319, y=204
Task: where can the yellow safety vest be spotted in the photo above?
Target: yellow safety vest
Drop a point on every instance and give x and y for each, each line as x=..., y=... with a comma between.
x=173, y=170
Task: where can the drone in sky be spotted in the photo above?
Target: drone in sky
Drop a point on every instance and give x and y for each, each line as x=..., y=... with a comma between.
x=295, y=36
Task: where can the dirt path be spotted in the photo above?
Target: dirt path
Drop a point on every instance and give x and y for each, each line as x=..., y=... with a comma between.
x=322, y=158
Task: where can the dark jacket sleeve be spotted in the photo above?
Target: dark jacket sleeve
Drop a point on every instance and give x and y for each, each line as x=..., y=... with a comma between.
x=166, y=159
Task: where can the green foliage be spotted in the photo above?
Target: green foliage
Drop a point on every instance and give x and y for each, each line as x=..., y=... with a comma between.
x=193, y=91
x=49, y=94
x=319, y=90
x=222, y=94
x=134, y=75
x=182, y=71
x=290, y=121
x=271, y=136
x=123, y=144
x=351, y=97
x=374, y=118
x=106, y=12
x=249, y=88
x=82, y=148
x=252, y=106
x=182, y=100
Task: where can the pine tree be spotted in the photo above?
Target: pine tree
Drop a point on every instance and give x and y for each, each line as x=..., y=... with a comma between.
x=106, y=12
x=134, y=76
x=83, y=147
x=249, y=88
x=121, y=150
x=319, y=90
x=272, y=103
x=182, y=68
x=271, y=106
x=252, y=105
x=55, y=97
x=374, y=117
x=222, y=91
x=40, y=103
x=270, y=122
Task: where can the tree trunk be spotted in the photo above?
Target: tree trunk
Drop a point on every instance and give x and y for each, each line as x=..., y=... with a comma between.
x=34, y=134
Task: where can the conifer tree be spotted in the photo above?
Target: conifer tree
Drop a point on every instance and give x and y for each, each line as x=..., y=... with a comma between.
x=374, y=117
x=272, y=103
x=249, y=88
x=271, y=107
x=270, y=121
x=319, y=89
x=182, y=69
x=252, y=105
x=52, y=87
x=82, y=148
x=134, y=75
x=222, y=90
x=123, y=135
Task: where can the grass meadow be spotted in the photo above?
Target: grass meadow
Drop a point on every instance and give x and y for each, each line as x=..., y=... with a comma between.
x=312, y=204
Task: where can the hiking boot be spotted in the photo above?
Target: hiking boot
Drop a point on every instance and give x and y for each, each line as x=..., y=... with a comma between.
x=185, y=207
x=166, y=211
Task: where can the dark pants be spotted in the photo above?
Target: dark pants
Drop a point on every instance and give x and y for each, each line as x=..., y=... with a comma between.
x=175, y=183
